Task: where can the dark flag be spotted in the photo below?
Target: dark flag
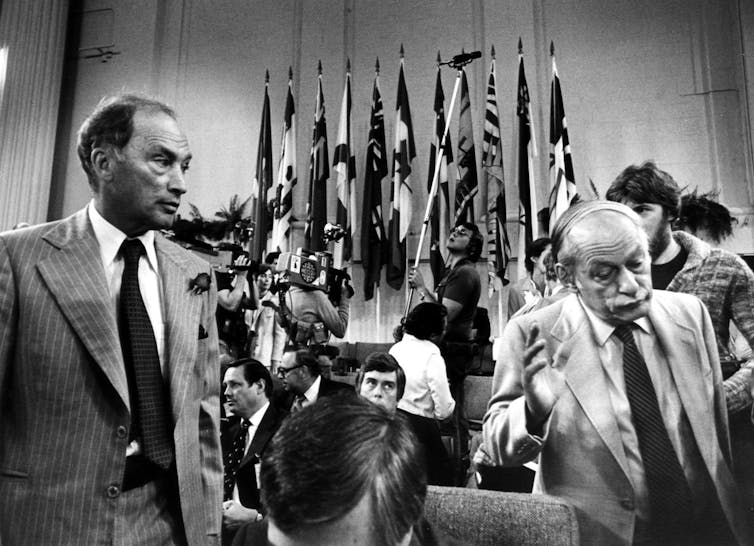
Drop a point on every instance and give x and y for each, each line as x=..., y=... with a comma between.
x=286, y=175
x=404, y=153
x=263, y=181
x=319, y=172
x=440, y=219
x=345, y=168
x=467, y=185
x=373, y=243
x=498, y=245
x=562, y=181
x=526, y=148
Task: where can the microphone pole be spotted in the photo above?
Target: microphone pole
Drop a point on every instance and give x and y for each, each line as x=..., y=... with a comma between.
x=458, y=62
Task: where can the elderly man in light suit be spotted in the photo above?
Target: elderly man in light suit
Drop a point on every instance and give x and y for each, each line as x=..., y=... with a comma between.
x=619, y=391
x=82, y=461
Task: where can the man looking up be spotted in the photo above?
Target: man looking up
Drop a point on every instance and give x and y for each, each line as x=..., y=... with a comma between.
x=458, y=292
x=303, y=383
x=618, y=390
x=247, y=388
x=127, y=449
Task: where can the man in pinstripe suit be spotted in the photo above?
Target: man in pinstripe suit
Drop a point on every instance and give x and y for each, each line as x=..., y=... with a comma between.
x=73, y=467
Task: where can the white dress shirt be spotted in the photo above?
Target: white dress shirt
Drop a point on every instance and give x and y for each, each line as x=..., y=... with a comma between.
x=427, y=392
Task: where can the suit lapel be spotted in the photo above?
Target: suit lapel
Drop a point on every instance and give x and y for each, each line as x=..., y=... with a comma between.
x=585, y=376
x=182, y=316
x=76, y=279
x=691, y=372
x=265, y=430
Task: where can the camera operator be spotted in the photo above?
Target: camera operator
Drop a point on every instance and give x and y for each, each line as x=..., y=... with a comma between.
x=236, y=297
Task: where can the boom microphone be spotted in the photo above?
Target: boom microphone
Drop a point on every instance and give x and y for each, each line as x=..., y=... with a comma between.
x=465, y=58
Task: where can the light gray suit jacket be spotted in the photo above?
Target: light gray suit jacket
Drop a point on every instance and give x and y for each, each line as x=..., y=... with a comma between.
x=64, y=405
x=581, y=454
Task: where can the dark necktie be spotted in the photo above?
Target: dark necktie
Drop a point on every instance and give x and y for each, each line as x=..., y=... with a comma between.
x=669, y=493
x=298, y=403
x=149, y=406
x=234, y=457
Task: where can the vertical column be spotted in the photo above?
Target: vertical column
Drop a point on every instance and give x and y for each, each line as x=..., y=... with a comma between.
x=32, y=35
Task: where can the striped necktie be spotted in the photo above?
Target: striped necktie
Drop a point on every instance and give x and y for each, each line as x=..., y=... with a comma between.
x=234, y=457
x=670, y=497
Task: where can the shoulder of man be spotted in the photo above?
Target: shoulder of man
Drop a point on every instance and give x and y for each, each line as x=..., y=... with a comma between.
x=676, y=304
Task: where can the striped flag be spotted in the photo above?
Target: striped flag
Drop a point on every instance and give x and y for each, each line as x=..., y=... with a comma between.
x=344, y=165
x=440, y=219
x=263, y=180
x=286, y=175
x=404, y=153
x=373, y=240
x=319, y=172
x=498, y=245
x=526, y=149
x=562, y=181
x=467, y=186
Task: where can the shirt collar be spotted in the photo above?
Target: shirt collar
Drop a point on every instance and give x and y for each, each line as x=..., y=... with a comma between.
x=110, y=238
x=258, y=415
x=313, y=390
x=603, y=330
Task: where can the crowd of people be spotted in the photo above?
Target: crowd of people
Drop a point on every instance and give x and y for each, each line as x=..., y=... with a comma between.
x=624, y=372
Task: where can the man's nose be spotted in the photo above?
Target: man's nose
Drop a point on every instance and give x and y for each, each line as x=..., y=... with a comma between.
x=177, y=182
x=627, y=281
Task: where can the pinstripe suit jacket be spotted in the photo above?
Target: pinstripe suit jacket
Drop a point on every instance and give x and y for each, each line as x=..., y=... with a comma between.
x=64, y=405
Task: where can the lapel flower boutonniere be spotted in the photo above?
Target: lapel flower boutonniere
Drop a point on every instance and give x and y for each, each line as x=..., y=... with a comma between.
x=200, y=284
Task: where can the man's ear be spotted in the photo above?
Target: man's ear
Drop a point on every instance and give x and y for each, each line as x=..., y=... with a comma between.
x=103, y=162
x=565, y=276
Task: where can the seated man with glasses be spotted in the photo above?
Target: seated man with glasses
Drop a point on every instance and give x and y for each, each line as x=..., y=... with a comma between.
x=303, y=384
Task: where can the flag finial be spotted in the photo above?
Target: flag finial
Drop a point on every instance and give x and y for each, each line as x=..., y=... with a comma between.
x=520, y=46
x=438, y=58
x=266, y=76
x=402, y=52
x=552, y=48
x=290, y=72
x=377, y=65
x=319, y=67
x=348, y=64
x=492, y=52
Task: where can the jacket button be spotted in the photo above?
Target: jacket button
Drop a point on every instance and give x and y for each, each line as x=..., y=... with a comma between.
x=628, y=504
x=113, y=491
x=122, y=432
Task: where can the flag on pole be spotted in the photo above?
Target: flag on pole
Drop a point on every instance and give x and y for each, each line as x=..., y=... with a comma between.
x=498, y=245
x=263, y=180
x=404, y=153
x=440, y=219
x=344, y=165
x=562, y=181
x=467, y=186
x=527, y=216
x=373, y=247
x=286, y=175
x=319, y=172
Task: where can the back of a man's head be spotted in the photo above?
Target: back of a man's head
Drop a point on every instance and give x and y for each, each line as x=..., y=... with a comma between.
x=343, y=465
x=646, y=183
x=534, y=250
x=111, y=124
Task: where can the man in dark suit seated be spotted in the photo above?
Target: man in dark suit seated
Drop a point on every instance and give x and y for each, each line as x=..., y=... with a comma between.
x=247, y=387
x=302, y=382
x=368, y=486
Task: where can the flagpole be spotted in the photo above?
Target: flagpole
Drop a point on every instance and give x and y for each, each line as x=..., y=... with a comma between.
x=435, y=180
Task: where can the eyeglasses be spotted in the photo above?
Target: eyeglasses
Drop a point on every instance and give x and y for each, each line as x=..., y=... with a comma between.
x=460, y=232
x=282, y=372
